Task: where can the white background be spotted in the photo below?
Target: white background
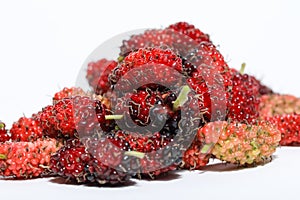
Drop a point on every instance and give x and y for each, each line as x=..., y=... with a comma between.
x=43, y=45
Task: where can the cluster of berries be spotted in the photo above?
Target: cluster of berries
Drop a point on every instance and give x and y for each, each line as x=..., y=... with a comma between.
x=170, y=101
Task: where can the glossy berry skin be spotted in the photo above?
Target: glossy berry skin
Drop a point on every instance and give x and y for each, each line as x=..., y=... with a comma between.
x=73, y=117
x=68, y=93
x=150, y=38
x=61, y=119
x=97, y=74
x=26, y=130
x=43, y=118
x=289, y=127
x=158, y=158
x=181, y=37
x=211, y=94
x=80, y=162
x=24, y=160
x=137, y=106
x=191, y=31
x=77, y=91
x=210, y=77
x=243, y=105
x=219, y=86
x=147, y=111
x=205, y=54
x=153, y=64
x=141, y=103
x=70, y=161
x=105, y=175
x=3, y=133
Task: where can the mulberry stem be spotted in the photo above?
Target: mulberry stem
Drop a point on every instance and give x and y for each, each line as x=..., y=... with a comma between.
x=205, y=149
x=135, y=154
x=120, y=58
x=3, y=157
x=182, y=98
x=110, y=117
x=242, y=70
x=2, y=125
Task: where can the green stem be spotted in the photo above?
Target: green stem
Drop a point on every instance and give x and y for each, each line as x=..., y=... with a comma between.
x=182, y=98
x=135, y=154
x=206, y=148
x=242, y=70
x=120, y=58
x=3, y=157
x=2, y=125
x=110, y=117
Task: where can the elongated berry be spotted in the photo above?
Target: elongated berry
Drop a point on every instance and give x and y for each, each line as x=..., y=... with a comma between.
x=26, y=160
